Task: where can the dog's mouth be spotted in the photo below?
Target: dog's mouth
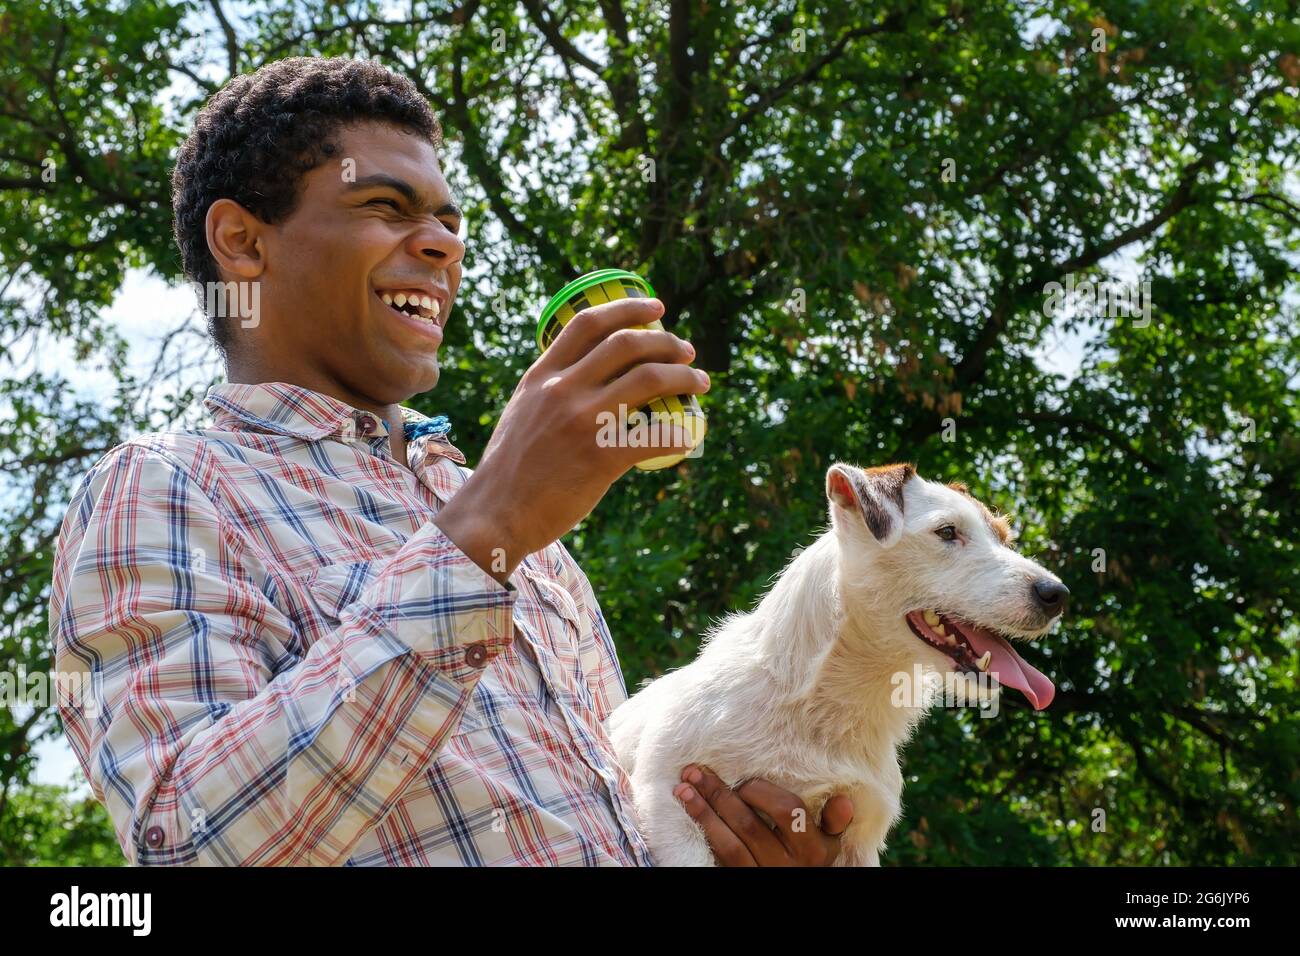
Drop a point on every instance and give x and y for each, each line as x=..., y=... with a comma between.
x=977, y=649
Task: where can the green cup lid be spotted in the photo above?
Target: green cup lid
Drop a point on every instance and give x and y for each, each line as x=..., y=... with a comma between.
x=580, y=284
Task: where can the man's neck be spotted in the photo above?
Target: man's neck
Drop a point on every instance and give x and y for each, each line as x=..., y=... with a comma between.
x=245, y=373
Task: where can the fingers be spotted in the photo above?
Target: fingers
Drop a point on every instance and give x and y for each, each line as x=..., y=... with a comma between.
x=654, y=380
x=624, y=349
x=837, y=815
x=782, y=807
x=735, y=816
x=805, y=844
x=592, y=326
x=734, y=821
x=728, y=850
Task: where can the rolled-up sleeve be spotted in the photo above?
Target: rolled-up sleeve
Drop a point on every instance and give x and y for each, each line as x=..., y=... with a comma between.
x=205, y=727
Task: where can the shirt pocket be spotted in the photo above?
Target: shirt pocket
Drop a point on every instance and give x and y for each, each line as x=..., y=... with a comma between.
x=485, y=710
x=333, y=587
x=321, y=596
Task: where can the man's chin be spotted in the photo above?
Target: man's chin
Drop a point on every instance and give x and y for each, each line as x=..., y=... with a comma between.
x=393, y=382
x=414, y=385
x=426, y=384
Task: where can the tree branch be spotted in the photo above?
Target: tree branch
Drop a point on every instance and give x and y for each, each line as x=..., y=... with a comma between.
x=768, y=97
x=1289, y=211
x=558, y=41
x=232, y=41
x=488, y=172
x=458, y=15
x=206, y=85
x=621, y=80
x=672, y=128
x=970, y=369
x=1096, y=428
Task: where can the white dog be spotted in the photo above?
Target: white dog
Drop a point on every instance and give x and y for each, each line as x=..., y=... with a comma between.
x=913, y=577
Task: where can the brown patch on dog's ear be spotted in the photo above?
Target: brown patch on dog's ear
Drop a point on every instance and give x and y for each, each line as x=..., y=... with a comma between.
x=889, y=480
x=875, y=493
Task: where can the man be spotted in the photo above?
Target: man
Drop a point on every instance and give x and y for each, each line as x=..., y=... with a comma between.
x=312, y=637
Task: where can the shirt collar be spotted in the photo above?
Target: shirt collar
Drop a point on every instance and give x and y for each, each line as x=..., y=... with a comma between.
x=283, y=409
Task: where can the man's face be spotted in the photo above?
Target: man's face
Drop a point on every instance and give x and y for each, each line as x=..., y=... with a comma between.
x=382, y=224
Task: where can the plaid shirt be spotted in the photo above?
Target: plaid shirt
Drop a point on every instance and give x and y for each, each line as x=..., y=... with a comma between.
x=292, y=664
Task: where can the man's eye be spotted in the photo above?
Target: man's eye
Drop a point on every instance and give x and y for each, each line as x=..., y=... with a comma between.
x=947, y=533
x=391, y=202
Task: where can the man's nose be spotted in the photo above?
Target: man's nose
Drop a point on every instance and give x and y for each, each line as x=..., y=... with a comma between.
x=1050, y=596
x=438, y=245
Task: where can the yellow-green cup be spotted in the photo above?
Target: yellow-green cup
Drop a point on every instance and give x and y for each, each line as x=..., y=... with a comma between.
x=606, y=285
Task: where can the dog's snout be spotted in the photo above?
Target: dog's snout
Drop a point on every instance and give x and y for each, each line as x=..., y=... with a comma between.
x=1051, y=595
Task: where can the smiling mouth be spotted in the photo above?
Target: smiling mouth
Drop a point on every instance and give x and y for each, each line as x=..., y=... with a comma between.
x=943, y=634
x=975, y=649
x=423, y=307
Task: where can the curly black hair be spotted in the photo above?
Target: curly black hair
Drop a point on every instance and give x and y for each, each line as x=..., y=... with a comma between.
x=260, y=133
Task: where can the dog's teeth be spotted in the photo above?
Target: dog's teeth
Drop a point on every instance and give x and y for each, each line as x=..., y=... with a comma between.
x=932, y=619
x=400, y=299
x=938, y=629
x=951, y=639
x=388, y=299
x=983, y=662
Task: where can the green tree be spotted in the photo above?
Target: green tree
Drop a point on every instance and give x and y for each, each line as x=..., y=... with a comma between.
x=854, y=212
x=56, y=826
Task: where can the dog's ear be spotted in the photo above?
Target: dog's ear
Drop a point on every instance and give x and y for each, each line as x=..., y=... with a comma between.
x=874, y=493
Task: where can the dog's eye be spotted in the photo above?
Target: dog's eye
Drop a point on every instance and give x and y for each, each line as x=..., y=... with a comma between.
x=947, y=533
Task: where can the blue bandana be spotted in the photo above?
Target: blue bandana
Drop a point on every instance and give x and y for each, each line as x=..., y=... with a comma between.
x=438, y=426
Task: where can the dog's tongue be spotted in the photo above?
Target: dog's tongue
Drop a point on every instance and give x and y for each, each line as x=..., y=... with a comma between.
x=1009, y=669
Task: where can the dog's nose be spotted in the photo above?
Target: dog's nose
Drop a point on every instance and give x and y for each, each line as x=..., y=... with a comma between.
x=1051, y=595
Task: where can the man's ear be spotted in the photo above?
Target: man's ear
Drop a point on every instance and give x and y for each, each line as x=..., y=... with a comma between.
x=876, y=494
x=235, y=239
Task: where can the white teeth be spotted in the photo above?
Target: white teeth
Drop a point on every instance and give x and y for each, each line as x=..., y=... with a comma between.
x=932, y=619
x=400, y=299
x=426, y=302
x=437, y=309
x=388, y=299
x=983, y=662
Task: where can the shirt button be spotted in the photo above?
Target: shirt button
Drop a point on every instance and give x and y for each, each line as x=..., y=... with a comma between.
x=367, y=425
x=154, y=837
x=476, y=655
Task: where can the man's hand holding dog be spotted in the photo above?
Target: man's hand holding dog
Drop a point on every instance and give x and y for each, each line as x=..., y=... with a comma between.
x=740, y=837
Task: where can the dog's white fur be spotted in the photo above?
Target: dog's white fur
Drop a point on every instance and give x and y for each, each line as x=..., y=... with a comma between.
x=798, y=691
